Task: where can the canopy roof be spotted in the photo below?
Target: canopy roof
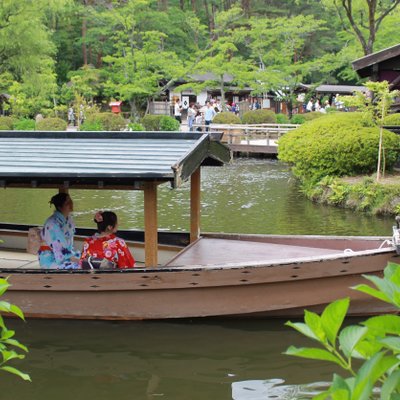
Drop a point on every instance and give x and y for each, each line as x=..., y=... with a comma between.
x=389, y=57
x=104, y=159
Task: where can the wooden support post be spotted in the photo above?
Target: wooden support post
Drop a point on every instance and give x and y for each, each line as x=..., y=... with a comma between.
x=195, y=205
x=150, y=224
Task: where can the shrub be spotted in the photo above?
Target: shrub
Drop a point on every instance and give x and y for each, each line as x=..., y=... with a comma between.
x=298, y=119
x=226, y=117
x=392, y=119
x=24, y=124
x=282, y=119
x=337, y=145
x=6, y=123
x=51, y=124
x=259, y=117
x=151, y=122
x=310, y=116
x=135, y=126
x=89, y=125
x=160, y=123
x=108, y=121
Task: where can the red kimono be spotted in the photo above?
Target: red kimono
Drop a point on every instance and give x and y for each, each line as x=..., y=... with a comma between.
x=110, y=247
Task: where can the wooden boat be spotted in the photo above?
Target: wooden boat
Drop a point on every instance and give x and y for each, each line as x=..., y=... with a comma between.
x=182, y=275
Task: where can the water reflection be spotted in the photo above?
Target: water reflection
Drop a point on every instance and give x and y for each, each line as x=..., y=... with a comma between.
x=248, y=196
x=275, y=389
x=193, y=360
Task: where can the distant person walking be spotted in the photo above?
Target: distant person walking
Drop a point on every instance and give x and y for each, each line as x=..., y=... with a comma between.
x=178, y=110
x=309, y=106
x=71, y=116
x=209, y=115
x=191, y=115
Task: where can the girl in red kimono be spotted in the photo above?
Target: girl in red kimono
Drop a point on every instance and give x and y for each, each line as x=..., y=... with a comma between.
x=105, y=244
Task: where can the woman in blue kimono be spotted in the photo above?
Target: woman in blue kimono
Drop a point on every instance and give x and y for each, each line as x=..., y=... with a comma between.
x=56, y=250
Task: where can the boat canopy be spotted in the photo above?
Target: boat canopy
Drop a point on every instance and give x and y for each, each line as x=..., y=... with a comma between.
x=104, y=160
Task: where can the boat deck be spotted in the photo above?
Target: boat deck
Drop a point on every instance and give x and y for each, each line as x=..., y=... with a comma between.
x=207, y=251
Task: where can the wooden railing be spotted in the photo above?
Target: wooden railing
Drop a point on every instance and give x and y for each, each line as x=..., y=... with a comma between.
x=235, y=133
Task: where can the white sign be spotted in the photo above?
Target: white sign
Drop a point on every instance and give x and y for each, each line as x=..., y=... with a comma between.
x=185, y=101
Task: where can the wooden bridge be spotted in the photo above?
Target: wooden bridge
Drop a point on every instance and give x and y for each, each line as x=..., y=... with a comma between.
x=252, y=139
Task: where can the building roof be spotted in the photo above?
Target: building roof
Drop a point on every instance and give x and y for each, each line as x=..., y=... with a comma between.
x=104, y=159
x=363, y=65
x=336, y=88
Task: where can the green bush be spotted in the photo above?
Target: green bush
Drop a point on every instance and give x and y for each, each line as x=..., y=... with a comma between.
x=51, y=124
x=226, y=117
x=169, y=124
x=160, y=123
x=135, y=126
x=392, y=119
x=108, y=121
x=282, y=119
x=337, y=145
x=24, y=124
x=91, y=125
x=151, y=122
x=259, y=117
x=298, y=119
x=310, y=116
x=6, y=123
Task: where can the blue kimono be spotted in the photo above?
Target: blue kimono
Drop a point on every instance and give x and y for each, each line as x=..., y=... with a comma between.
x=57, y=249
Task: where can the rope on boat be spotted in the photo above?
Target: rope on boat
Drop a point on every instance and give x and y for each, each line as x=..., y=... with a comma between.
x=348, y=251
x=387, y=242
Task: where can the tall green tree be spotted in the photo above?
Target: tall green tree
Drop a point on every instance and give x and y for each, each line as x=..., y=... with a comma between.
x=363, y=18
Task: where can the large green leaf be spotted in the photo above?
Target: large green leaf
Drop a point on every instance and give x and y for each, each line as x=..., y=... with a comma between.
x=391, y=384
x=313, y=321
x=333, y=317
x=384, y=324
x=392, y=343
x=4, y=285
x=312, y=353
x=392, y=272
x=370, y=372
x=388, y=288
x=15, y=371
x=16, y=343
x=350, y=337
x=11, y=308
x=372, y=292
x=303, y=329
x=11, y=355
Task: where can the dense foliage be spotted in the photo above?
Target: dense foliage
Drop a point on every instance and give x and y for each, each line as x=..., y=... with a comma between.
x=55, y=53
x=374, y=342
x=8, y=344
x=392, y=119
x=259, y=117
x=51, y=124
x=226, y=118
x=160, y=123
x=336, y=145
x=106, y=121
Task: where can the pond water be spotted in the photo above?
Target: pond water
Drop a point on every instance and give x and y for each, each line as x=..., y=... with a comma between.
x=190, y=359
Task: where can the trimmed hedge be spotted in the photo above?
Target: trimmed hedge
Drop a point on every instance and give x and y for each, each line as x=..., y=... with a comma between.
x=107, y=120
x=259, y=117
x=282, y=119
x=337, y=145
x=24, y=124
x=6, y=123
x=393, y=119
x=51, y=124
x=226, y=117
x=302, y=118
x=160, y=123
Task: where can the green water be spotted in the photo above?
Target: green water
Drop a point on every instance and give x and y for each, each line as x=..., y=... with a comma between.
x=179, y=360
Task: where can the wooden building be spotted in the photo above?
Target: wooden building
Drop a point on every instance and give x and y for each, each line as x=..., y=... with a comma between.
x=383, y=65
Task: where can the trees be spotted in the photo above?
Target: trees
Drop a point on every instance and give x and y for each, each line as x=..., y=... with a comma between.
x=363, y=18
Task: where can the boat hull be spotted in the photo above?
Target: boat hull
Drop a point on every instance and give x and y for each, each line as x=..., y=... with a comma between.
x=276, y=289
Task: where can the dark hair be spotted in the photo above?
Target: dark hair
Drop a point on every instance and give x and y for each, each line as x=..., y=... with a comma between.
x=109, y=219
x=58, y=200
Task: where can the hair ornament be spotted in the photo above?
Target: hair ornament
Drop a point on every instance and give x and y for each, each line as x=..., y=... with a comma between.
x=98, y=217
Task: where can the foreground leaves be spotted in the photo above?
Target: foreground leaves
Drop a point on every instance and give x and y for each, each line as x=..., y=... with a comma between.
x=376, y=341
